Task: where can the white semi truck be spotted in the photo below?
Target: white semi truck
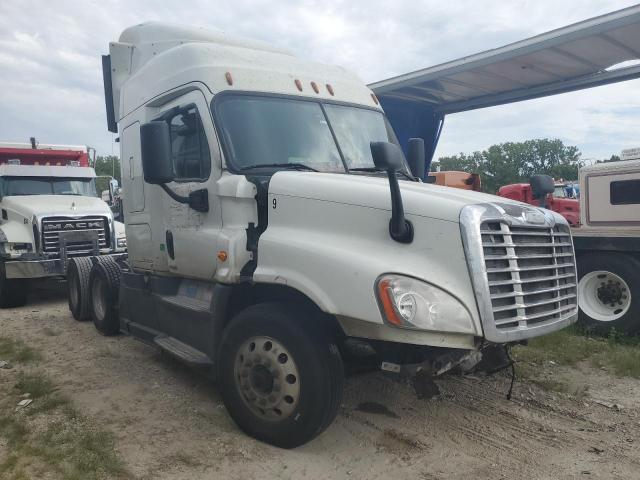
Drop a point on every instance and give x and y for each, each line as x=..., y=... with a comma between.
x=272, y=218
x=50, y=212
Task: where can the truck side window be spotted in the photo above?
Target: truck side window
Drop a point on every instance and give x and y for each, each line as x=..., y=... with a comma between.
x=625, y=192
x=189, y=147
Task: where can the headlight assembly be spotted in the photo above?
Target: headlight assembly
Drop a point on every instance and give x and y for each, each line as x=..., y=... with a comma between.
x=410, y=303
x=121, y=242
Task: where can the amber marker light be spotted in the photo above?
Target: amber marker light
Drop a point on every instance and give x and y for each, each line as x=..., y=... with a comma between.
x=229, y=78
x=314, y=85
x=375, y=99
x=385, y=293
x=330, y=89
x=222, y=256
x=298, y=84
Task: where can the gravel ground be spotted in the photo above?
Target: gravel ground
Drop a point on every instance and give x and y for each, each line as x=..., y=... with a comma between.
x=169, y=421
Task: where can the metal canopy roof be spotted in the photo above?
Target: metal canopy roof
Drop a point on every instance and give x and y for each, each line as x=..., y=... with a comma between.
x=570, y=58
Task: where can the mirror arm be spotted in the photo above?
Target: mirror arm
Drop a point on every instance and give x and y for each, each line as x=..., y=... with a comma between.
x=400, y=229
x=198, y=199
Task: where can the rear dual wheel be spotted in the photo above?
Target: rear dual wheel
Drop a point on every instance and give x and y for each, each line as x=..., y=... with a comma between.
x=104, y=286
x=281, y=376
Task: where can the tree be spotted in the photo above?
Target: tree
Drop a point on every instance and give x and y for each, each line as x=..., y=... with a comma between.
x=514, y=162
x=106, y=167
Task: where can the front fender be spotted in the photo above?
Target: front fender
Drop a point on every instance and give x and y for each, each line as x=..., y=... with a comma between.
x=334, y=253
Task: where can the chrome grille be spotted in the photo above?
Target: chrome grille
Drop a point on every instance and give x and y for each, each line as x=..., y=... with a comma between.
x=52, y=227
x=531, y=274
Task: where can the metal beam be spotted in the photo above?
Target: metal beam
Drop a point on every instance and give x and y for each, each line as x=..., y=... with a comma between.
x=587, y=81
x=554, y=38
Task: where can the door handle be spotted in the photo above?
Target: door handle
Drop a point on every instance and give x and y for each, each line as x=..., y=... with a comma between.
x=170, y=249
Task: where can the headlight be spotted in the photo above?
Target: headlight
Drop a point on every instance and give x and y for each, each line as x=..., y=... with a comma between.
x=121, y=242
x=410, y=303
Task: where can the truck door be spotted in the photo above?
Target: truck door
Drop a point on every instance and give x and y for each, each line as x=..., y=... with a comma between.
x=190, y=237
x=139, y=241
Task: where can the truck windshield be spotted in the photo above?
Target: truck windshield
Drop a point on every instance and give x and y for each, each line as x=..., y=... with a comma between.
x=270, y=132
x=48, y=186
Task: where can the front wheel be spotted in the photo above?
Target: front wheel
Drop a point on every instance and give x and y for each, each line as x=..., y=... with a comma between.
x=281, y=377
x=13, y=292
x=608, y=292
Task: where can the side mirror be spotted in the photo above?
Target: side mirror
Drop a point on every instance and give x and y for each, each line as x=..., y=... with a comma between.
x=388, y=156
x=157, y=167
x=541, y=186
x=155, y=145
x=416, y=158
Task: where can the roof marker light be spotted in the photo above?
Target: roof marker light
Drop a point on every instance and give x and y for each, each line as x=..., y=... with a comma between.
x=375, y=99
x=229, y=78
x=314, y=85
x=330, y=89
x=298, y=84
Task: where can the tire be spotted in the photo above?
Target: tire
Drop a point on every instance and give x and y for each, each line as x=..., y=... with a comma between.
x=104, y=285
x=13, y=292
x=609, y=292
x=302, y=398
x=78, y=271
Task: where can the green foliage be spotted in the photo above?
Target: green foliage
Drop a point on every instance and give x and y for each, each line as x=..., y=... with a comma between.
x=108, y=166
x=618, y=353
x=515, y=162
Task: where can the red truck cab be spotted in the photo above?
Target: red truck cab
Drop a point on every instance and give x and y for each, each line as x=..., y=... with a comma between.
x=569, y=208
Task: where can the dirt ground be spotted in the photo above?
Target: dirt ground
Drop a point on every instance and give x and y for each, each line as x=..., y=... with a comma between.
x=169, y=421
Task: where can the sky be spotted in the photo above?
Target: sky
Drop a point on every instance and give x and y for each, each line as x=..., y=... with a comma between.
x=51, y=75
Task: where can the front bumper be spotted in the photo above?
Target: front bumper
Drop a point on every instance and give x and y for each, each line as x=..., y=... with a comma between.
x=34, y=268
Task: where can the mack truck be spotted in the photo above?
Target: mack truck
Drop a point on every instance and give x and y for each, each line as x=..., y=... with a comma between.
x=273, y=223
x=49, y=212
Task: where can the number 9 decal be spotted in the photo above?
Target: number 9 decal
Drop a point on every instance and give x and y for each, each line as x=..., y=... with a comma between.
x=274, y=203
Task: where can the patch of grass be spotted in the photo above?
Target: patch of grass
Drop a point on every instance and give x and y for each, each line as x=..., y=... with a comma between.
x=13, y=430
x=66, y=444
x=618, y=353
x=564, y=347
x=17, y=351
x=36, y=384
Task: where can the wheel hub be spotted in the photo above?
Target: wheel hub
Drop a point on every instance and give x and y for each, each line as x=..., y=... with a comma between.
x=604, y=296
x=610, y=292
x=267, y=378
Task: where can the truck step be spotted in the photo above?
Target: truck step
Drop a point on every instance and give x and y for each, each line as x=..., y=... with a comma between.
x=183, y=351
x=188, y=303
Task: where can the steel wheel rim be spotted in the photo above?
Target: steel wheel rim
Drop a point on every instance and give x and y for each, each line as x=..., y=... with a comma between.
x=267, y=378
x=98, y=296
x=604, y=296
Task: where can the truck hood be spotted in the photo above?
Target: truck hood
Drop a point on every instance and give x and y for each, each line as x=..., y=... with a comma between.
x=422, y=199
x=56, y=205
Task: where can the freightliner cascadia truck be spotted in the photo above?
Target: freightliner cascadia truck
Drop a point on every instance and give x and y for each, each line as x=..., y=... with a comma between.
x=50, y=212
x=272, y=219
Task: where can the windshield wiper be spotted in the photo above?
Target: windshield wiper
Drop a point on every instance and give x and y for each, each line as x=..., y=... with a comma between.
x=292, y=166
x=376, y=169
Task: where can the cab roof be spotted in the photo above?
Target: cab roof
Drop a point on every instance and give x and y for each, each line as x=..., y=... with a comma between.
x=153, y=58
